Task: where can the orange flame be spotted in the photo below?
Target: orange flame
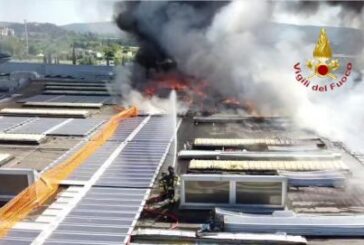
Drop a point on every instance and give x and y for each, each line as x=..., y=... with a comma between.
x=194, y=92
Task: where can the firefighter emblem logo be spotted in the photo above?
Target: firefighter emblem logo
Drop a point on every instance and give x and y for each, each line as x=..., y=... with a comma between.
x=321, y=72
x=323, y=65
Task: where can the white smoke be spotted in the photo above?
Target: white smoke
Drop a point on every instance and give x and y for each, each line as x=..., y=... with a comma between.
x=321, y=13
x=337, y=115
x=240, y=52
x=128, y=96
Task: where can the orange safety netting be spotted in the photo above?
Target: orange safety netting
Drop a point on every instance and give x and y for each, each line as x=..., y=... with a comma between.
x=47, y=185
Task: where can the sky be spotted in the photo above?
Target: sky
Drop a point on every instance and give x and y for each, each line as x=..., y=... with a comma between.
x=58, y=12
x=63, y=12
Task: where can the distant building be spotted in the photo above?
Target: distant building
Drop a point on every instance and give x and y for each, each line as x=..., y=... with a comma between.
x=6, y=32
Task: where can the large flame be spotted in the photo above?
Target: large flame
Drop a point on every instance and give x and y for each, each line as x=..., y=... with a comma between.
x=196, y=93
x=322, y=48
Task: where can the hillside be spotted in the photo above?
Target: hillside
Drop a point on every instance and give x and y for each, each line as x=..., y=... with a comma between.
x=37, y=29
x=99, y=28
x=108, y=29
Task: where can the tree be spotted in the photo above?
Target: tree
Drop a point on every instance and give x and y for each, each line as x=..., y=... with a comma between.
x=34, y=50
x=118, y=60
x=88, y=60
x=74, y=59
x=109, y=54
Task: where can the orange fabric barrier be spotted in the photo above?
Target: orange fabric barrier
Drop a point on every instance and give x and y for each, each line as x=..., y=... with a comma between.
x=44, y=188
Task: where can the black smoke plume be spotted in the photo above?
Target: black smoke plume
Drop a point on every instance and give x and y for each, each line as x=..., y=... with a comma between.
x=144, y=20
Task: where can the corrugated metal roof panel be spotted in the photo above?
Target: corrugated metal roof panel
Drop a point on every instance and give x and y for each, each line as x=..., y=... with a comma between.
x=112, y=224
x=39, y=126
x=19, y=237
x=7, y=123
x=78, y=127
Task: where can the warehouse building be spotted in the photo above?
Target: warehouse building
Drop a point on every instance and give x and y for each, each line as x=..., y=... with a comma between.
x=238, y=168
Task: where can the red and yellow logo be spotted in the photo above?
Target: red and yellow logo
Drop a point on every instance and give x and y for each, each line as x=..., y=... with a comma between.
x=322, y=66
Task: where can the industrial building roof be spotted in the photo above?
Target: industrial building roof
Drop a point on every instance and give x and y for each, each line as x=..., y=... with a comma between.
x=109, y=195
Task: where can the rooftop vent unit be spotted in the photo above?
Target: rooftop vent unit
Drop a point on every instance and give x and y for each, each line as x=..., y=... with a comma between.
x=44, y=112
x=294, y=224
x=253, y=155
x=236, y=118
x=13, y=181
x=64, y=104
x=213, y=143
x=222, y=165
x=251, y=193
x=323, y=178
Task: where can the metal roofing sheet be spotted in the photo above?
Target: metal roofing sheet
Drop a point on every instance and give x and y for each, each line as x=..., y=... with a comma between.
x=252, y=141
x=44, y=112
x=64, y=104
x=82, y=99
x=307, y=225
x=73, y=87
x=91, y=90
x=91, y=228
x=158, y=129
x=69, y=99
x=76, y=84
x=19, y=237
x=72, y=80
x=7, y=123
x=110, y=100
x=94, y=162
x=78, y=127
x=38, y=126
x=135, y=167
x=126, y=127
x=267, y=165
x=39, y=98
x=75, y=92
x=311, y=199
x=259, y=155
x=126, y=169
x=87, y=223
x=10, y=241
x=87, y=169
